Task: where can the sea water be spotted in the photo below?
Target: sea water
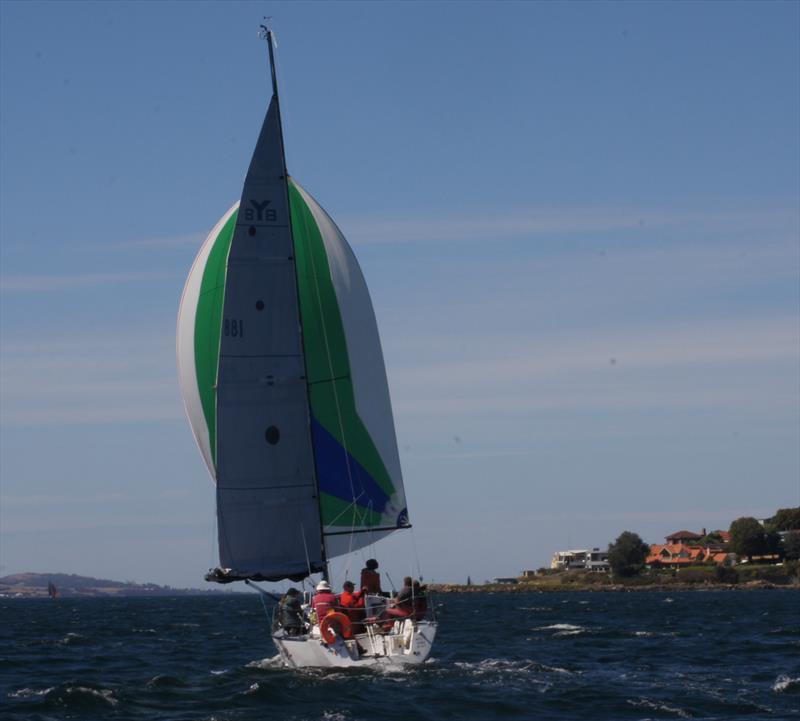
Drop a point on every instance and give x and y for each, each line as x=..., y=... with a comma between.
x=706, y=655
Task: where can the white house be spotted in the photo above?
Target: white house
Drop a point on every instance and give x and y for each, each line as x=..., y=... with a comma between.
x=584, y=559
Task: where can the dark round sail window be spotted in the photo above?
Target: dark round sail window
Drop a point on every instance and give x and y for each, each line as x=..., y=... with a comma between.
x=259, y=305
x=273, y=435
x=251, y=230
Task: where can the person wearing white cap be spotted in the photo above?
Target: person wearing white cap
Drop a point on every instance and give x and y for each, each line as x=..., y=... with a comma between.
x=323, y=600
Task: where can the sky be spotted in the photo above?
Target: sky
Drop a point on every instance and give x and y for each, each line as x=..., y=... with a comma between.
x=579, y=222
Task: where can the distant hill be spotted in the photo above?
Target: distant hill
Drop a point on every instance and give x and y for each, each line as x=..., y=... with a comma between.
x=69, y=585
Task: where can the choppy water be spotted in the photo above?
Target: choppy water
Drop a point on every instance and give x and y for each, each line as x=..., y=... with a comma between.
x=710, y=655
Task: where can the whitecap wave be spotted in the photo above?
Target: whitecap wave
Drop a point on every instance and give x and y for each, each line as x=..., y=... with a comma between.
x=161, y=680
x=559, y=627
x=102, y=694
x=272, y=662
x=492, y=665
x=72, y=638
x=28, y=692
x=563, y=629
x=556, y=669
x=663, y=707
x=786, y=684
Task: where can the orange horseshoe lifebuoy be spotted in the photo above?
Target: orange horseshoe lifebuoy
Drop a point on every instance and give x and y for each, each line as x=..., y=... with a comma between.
x=342, y=624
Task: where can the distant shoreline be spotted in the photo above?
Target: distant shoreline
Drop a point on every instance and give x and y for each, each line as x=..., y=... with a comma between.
x=446, y=588
x=35, y=585
x=752, y=578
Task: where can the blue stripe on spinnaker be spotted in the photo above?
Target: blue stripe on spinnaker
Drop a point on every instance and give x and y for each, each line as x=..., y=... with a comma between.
x=334, y=477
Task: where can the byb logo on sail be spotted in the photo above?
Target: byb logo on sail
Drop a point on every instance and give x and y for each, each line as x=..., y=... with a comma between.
x=260, y=213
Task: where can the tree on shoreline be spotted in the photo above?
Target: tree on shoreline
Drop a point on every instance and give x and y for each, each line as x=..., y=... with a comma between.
x=747, y=537
x=785, y=519
x=791, y=545
x=627, y=554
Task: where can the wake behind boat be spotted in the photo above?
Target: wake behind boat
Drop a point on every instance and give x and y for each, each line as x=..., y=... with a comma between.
x=283, y=379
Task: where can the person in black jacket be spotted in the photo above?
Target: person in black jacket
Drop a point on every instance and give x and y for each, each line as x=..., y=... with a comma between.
x=290, y=613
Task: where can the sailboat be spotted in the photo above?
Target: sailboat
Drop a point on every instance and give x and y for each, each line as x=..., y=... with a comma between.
x=284, y=384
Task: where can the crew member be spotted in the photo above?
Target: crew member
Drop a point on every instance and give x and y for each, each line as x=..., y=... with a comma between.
x=420, y=601
x=352, y=603
x=290, y=613
x=403, y=603
x=370, y=578
x=324, y=600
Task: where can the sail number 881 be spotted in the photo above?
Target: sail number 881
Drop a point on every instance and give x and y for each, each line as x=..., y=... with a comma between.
x=233, y=328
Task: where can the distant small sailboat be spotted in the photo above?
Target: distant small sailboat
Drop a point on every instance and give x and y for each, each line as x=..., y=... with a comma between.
x=284, y=384
x=52, y=591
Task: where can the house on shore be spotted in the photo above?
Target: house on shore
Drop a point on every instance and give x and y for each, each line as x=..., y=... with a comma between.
x=581, y=559
x=686, y=548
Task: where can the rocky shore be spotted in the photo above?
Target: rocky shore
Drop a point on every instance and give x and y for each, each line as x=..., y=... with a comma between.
x=786, y=576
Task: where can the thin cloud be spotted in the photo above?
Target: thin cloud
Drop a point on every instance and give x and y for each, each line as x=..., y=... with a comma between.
x=45, y=283
x=119, y=379
x=41, y=500
x=495, y=226
x=697, y=366
x=180, y=240
x=678, y=517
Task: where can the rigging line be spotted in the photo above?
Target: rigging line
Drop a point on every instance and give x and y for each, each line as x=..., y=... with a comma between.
x=214, y=535
x=222, y=530
x=350, y=546
x=330, y=359
x=416, y=555
x=352, y=504
x=264, y=606
x=305, y=548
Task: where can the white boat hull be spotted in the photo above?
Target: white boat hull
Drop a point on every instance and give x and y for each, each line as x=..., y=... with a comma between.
x=408, y=643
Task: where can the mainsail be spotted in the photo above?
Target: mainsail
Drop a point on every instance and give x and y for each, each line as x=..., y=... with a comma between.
x=284, y=383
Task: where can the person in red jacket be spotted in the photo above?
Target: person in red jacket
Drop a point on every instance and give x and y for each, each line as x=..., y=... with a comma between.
x=324, y=600
x=370, y=578
x=352, y=604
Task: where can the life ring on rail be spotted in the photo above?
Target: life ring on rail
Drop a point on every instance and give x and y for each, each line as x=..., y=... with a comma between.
x=334, y=624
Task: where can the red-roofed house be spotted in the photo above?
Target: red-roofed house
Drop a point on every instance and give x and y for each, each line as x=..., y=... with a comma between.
x=675, y=554
x=679, y=554
x=684, y=537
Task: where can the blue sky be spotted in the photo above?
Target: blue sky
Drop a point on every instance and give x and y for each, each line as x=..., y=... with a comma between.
x=579, y=223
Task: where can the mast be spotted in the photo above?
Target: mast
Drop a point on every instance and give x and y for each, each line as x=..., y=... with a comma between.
x=273, y=75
